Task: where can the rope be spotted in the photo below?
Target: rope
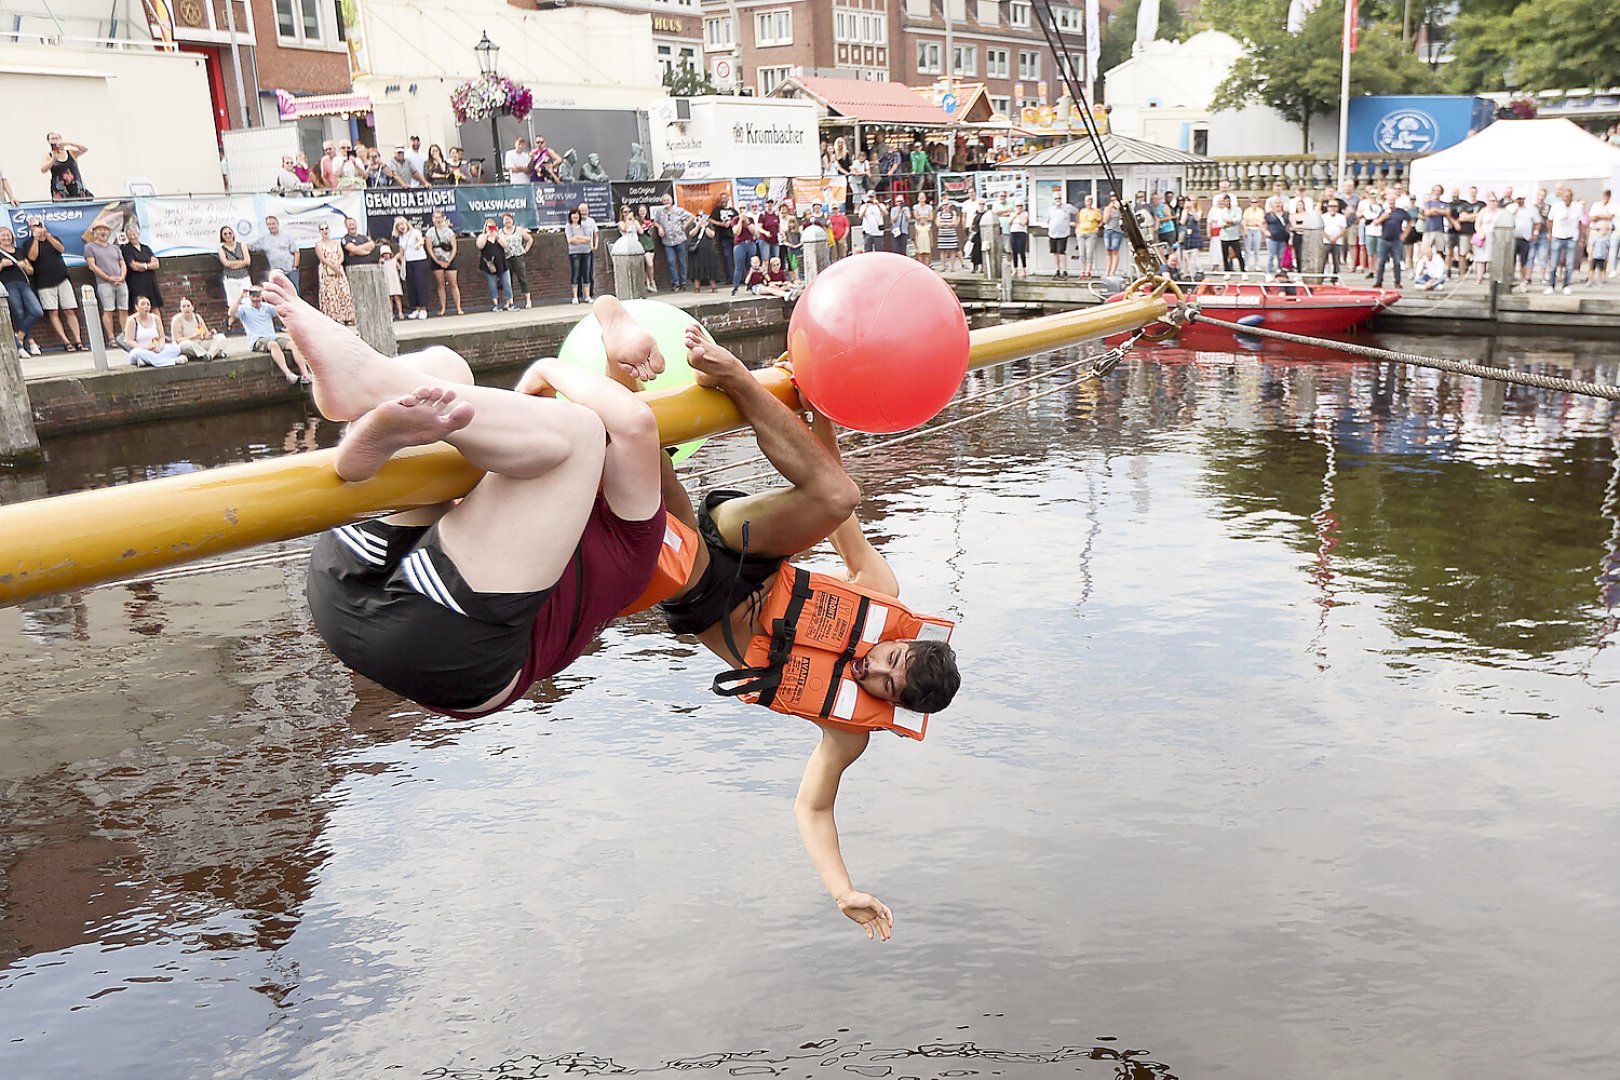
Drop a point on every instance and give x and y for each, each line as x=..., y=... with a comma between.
x=758, y=459
x=1100, y=367
x=1459, y=367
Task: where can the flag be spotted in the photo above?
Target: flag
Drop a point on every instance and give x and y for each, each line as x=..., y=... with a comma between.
x=1352, y=25
x=1093, y=44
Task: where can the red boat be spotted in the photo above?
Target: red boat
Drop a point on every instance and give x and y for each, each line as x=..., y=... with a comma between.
x=1295, y=307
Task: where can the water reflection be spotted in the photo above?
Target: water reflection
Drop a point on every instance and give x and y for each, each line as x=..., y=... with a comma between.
x=1227, y=619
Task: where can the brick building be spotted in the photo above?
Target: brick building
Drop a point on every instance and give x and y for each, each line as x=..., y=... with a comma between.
x=994, y=42
x=263, y=46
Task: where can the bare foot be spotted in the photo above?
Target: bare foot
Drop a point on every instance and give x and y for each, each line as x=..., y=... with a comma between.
x=632, y=354
x=713, y=366
x=338, y=358
x=427, y=416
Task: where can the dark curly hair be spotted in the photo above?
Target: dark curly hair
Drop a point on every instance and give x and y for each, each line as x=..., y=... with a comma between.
x=932, y=679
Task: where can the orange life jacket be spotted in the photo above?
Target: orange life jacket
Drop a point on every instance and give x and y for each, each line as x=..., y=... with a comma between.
x=675, y=560
x=817, y=625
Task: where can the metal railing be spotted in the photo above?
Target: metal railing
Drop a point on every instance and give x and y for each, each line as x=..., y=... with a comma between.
x=1257, y=175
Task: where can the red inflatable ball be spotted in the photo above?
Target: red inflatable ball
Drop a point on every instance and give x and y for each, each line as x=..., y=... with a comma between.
x=879, y=343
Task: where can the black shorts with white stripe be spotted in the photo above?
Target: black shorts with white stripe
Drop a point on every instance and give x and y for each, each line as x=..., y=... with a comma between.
x=393, y=606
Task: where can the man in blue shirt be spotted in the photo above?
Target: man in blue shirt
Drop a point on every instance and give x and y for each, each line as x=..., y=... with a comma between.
x=1394, y=225
x=259, y=320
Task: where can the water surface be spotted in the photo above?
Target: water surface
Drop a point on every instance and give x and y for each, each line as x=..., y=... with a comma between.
x=1285, y=750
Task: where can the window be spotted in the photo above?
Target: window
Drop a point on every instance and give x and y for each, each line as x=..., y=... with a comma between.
x=964, y=59
x=859, y=28
x=1029, y=64
x=773, y=27
x=717, y=33
x=920, y=9
x=955, y=10
x=989, y=12
x=995, y=63
x=666, y=59
x=1068, y=19
x=772, y=77
x=928, y=54
x=298, y=22
x=1018, y=13
x=1002, y=105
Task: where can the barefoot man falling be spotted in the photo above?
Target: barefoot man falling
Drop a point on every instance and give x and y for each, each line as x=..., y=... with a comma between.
x=462, y=607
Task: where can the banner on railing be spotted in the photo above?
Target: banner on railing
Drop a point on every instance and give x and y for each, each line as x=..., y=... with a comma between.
x=639, y=193
x=752, y=191
x=553, y=201
x=383, y=205
x=475, y=203
x=191, y=226
x=956, y=187
x=812, y=191
x=68, y=222
x=700, y=196
x=303, y=217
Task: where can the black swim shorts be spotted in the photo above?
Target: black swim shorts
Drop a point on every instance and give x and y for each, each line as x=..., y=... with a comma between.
x=730, y=578
x=392, y=606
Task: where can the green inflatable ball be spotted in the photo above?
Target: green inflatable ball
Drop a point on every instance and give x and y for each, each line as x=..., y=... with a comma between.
x=582, y=348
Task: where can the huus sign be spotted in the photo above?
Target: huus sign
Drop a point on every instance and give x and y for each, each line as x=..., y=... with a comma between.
x=717, y=138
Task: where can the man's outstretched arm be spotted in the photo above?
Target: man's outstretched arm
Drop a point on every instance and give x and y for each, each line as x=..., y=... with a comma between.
x=813, y=809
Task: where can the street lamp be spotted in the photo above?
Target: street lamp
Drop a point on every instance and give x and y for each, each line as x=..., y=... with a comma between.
x=488, y=52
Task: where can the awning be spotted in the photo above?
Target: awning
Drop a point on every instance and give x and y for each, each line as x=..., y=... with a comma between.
x=297, y=108
x=862, y=102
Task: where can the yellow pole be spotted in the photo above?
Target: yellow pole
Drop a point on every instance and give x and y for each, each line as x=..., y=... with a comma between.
x=73, y=541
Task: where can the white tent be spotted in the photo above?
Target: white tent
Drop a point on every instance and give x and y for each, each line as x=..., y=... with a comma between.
x=1523, y=154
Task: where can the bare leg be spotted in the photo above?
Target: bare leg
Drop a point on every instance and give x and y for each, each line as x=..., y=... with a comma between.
x=438, y=274
x=455, y=290
x=280, y=360
x=785, y=521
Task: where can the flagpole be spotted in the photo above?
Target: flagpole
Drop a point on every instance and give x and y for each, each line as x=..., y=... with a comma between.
x=1346, y=32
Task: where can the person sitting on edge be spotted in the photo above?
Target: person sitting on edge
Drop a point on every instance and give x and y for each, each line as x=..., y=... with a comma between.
x=463, y=607
x=259, y=320
x=746, y=542
x=190, y=331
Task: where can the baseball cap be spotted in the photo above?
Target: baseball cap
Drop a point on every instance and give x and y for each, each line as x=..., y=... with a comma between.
x=399, y=146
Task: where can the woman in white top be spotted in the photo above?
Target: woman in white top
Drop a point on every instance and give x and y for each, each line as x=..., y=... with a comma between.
x=144, y=331
x=413, y=250
x=192, y=335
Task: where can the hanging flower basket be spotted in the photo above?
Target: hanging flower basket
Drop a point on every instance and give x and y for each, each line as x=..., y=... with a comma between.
x=482, y=98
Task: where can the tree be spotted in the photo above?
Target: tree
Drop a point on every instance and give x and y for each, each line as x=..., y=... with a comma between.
x=1298, y=74
x=1119, y=32
x=687, y=81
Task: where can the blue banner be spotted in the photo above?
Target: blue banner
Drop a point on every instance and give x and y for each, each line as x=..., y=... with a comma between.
x=553, y=201
x=475, y=203
x=67, y=221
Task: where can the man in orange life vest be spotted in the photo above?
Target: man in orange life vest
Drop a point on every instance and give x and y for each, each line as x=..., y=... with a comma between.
x=737, y=578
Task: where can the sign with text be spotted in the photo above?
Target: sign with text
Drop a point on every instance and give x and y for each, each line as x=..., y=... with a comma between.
x=723, y=137
x=639, y=193
x=752, y=191
x=474, y=203
x=553, y=201
x=191, y=226
x=65, y=221
x=823, y=191
x=700, y=196
x=383, y=205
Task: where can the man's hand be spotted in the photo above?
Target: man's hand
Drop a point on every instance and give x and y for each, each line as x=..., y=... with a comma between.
x=871, y=913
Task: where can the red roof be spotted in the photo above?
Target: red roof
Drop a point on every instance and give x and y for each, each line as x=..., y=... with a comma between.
x=872, y=102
